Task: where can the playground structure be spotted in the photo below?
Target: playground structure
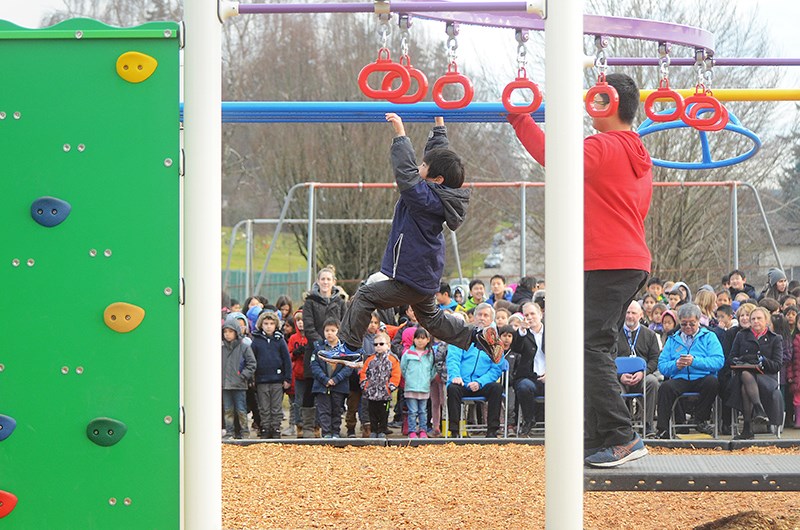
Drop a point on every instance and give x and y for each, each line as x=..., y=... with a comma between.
x=144, y=239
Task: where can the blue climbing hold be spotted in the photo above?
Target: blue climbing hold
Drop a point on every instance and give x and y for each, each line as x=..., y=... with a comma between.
x=49, y=211
x=7, y=426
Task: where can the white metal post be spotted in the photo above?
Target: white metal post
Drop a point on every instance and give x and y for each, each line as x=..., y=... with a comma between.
x=202, y=258
x=564, y=265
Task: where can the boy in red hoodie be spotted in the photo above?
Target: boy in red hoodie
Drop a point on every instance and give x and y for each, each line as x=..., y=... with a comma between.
x=618, y=185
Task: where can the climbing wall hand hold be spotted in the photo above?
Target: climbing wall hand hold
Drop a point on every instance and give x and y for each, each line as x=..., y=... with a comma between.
x=7, y=426
x=105, y=431
x=123, y=317
x=8, y=501
x=135, y=67
x=49, y=211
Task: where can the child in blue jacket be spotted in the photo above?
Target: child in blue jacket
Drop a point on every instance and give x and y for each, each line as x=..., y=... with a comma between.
x=331, y=381
x=416, y=365
x=273, y=372
x=431, y=195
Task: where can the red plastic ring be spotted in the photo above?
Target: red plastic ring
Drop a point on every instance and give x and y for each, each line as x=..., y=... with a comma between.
x=721, y=118
x=452, y=77
x=418, y=75
x=613, y=100
x=664, y=93
x=693, y=104
x=521, y=83
x=384, y=64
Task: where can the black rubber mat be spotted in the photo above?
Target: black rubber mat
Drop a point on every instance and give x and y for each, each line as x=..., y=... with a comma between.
x=729, y=472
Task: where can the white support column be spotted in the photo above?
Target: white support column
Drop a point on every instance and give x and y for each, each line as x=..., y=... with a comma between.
x=202, y=258
x=564, y=265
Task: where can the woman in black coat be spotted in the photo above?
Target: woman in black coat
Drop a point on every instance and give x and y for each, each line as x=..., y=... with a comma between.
x=751, y=389
x=326, y=300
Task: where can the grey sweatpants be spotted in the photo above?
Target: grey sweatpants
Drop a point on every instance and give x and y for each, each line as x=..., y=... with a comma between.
x=391, y=293
x=270, y=405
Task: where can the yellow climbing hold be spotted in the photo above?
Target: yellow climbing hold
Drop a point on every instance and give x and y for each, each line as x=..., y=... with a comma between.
x=123, y=317
x=135, y=67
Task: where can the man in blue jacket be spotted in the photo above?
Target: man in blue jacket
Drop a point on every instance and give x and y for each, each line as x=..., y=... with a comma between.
x=431, y=195
x=472, y=372
x=689, y=362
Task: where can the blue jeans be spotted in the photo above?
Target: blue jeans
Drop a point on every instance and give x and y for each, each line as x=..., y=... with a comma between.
x=417, y=408
x=235, y=401
x=527, y=391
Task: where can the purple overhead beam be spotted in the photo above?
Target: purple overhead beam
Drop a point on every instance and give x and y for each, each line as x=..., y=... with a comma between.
x=507, y=15
x=687, y=61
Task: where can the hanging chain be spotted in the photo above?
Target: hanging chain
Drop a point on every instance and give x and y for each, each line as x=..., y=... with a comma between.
x=522, y=52
x=404, y=22
x=600, y=59
x=663, y=59
x=384, y=30
x=708, y=74
x=452, y=44
x=699, y=65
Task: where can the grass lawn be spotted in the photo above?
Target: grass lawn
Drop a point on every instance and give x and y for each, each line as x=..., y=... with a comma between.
x=285, y=258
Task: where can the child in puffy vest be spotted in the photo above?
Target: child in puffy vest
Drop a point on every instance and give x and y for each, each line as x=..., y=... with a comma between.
x=417, y=368
x=331, y=381
x=273, y=372
x=379, y=377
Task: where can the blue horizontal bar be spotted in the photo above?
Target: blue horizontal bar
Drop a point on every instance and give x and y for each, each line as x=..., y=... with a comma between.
x=357, y=112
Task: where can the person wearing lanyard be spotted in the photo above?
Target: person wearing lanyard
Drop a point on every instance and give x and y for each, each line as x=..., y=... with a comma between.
x=690, y=360
x=637, y=340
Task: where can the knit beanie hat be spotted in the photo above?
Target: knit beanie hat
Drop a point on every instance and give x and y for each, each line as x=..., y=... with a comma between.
x=774, y=275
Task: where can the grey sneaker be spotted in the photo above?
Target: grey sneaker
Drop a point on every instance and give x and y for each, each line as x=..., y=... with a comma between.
x=618, y=454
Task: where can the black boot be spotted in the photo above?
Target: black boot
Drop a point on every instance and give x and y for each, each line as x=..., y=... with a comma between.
x=759, y=414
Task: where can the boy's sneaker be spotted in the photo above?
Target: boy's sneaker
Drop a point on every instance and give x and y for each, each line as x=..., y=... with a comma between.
x=412, y=435
x=618, y=454
x=351, y=433
x=489, y=340
x=423, y=434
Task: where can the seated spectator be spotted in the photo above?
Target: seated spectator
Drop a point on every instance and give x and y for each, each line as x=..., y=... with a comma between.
x=472, y=372
x=648, y=303
x=770, y=304
x=501, y=316
x=655, y=287
x=756, y=359
x=500, y=291
x=742, y=321
x=669, y=323
x=655, y=317
x=724, y=315
x=738, y=284
x=724, y=298
x=524, y=290
x=777, y=285
x=529, y=369
x=477, y=294
x=443, y=298
x=689, y=362
x=638, y=341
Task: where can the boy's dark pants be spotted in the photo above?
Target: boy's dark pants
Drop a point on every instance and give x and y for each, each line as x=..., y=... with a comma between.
x=607, y=294
x=378, y=415
x=391, y=293
x=329, y=408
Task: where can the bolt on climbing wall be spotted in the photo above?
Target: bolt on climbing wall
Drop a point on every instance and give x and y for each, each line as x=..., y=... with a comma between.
x=89, y=275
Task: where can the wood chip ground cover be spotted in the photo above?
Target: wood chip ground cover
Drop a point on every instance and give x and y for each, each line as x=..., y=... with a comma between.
x=463, y=487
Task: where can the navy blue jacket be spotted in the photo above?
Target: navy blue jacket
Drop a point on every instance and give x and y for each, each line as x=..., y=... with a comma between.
x=414, y=254
x=273, y=363
x=340, y=374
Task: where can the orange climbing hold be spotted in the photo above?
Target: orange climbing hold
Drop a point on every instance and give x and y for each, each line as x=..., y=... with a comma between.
x=8, y=501
x=123, y=317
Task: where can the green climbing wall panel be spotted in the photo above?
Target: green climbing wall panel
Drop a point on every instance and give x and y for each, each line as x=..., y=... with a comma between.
x=89, y=209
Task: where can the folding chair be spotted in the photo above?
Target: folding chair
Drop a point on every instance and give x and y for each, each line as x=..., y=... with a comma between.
x=631, y=365
x=689, y=396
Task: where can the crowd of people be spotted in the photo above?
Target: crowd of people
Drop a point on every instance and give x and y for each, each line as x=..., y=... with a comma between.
x=729, y=343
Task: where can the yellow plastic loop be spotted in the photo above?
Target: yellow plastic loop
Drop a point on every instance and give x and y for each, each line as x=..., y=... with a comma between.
x=135, y=67
x=123, y=317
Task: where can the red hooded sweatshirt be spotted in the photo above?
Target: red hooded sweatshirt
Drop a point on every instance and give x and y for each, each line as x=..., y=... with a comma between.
x=618, y=185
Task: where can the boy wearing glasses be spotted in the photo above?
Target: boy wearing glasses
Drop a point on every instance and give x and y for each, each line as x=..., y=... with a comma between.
x=618, y=185
x=431, y=195
x=379, y=378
